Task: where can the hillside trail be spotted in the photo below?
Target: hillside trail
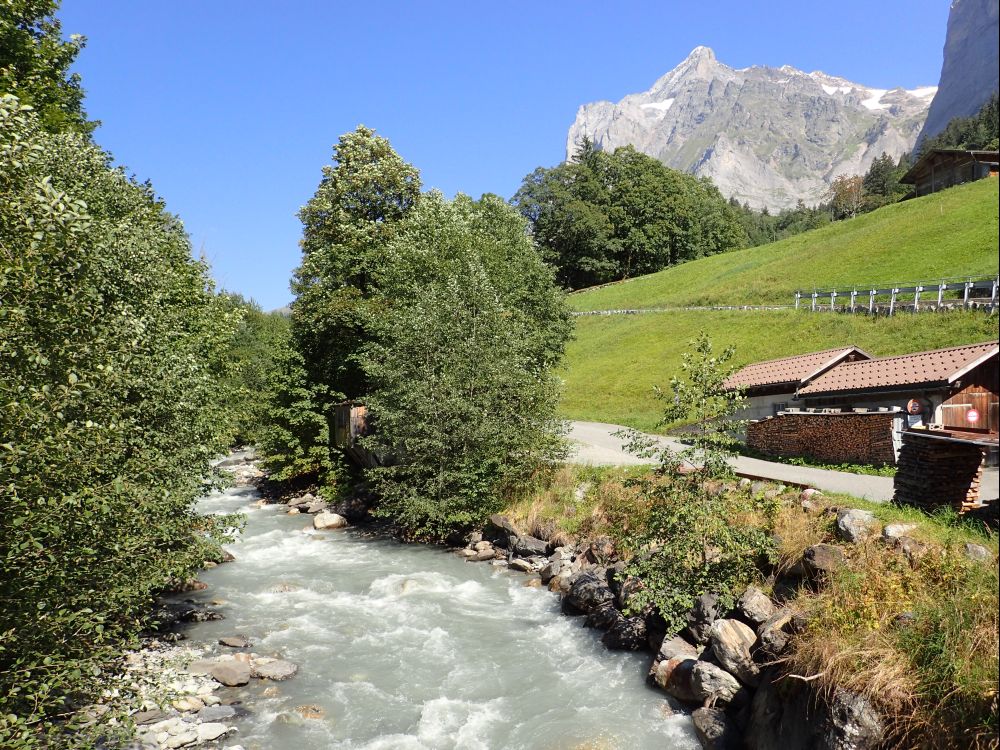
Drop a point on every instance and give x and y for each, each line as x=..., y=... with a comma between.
x=595, y=444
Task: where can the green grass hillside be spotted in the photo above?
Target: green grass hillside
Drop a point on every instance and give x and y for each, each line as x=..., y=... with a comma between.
x=951, y=233
x=614, y=361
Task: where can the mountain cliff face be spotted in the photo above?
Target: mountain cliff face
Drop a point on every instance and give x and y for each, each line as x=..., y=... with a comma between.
x=769, y=136
x=969, y=74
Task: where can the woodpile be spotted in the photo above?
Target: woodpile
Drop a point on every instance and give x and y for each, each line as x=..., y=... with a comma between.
x=935, y=473
x=862, y=437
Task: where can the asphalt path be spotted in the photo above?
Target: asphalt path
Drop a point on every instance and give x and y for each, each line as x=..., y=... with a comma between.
x=596, y=444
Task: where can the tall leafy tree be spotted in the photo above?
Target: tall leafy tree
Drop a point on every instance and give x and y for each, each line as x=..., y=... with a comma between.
x=347, y=225
x=462, y=393
x=35, y=64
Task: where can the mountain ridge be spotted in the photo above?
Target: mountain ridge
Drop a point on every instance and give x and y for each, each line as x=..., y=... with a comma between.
x=767, y=136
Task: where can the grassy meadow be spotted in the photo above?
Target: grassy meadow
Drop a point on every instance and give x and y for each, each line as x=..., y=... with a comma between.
x=948, y=234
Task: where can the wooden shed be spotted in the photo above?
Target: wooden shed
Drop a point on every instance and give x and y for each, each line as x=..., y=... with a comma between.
x=941, y=168
x=350, y=425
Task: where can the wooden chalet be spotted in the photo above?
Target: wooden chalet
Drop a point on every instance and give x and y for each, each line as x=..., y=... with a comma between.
x=941, y=168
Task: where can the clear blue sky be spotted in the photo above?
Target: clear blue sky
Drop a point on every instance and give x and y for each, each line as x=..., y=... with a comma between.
x=231, y=108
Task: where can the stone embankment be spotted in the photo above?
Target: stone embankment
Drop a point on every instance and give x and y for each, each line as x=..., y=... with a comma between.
x=725, y=666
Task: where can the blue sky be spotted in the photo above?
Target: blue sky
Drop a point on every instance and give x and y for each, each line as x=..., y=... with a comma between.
x=231, y=108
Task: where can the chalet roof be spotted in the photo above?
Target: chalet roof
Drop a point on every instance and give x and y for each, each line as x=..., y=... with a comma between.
x=937, y=367
x=793, y=371
x=937, y=156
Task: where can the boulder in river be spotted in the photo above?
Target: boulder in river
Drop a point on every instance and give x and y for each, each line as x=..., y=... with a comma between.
x=499, y=530
x=230, y=672
x=588, y=592
x=626, y=634
x=235, y=641
x=274, y=669
x=328, y=520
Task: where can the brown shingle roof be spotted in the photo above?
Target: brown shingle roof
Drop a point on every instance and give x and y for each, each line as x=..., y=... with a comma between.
x=938, y=366
x=793, y=370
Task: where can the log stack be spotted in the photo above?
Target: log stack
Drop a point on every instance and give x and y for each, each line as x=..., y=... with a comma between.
x=933, y=473
x=861, y=437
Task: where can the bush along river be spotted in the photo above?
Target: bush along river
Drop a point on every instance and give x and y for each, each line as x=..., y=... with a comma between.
x=335, y=639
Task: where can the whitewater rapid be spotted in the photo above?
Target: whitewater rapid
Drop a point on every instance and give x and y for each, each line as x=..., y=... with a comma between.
x=408, y=647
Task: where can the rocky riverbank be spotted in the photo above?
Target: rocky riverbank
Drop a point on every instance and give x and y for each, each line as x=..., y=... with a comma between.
x=724, y=669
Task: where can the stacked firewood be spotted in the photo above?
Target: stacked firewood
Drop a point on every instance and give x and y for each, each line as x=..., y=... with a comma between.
x=848, y=437
x=934, y=473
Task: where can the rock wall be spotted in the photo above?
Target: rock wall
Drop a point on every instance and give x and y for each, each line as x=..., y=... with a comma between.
x=846, y=437
x=969, y=73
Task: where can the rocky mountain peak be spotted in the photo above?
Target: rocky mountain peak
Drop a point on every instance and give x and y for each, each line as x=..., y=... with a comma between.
x=769, y=136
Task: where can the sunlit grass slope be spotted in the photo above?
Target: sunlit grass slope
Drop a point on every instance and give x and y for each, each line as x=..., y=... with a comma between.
x=951, y=233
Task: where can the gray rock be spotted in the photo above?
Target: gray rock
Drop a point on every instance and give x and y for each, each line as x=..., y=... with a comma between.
x=755, y=606
x=588, y=592
x=329, y=520
x=911, y=548
x=230, y=673
x=499, y=530
x=977, y=552
x=481, y=545
x=216, y=713
x=235, y=641
x=488, y=553
x=600, y=551
x=715, y=731
x=854, y=525
x=275, y=670
x=626, y=634
x=551, y=570
x=894, y=531
x=773, y=634
x=212, y=731
x=675, y=677
x=676, y=647
x=699, y=620
x=789, y=713
x=520, y=564
x=823, y=559
x=712, y=684
x=731, y=642
x=528, y=546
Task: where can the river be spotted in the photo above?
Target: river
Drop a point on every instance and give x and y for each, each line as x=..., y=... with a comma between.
x=408, y=647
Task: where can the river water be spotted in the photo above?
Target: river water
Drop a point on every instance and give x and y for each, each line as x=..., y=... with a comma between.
x=409, y=647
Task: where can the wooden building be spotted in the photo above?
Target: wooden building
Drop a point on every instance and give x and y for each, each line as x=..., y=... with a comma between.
x=948, y=385
x=941, y=168
x=856, y=408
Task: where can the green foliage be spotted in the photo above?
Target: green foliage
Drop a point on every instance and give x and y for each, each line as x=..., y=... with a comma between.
x=251, y=365
x=698, y=537
x=979, y=132
x=111, y=356
x=295, y=439
x=763, y=227
x=608, y=216
x=35, y=63
x=462, y=396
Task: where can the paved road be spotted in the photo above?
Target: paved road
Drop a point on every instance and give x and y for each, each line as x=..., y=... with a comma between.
x=596, y=444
